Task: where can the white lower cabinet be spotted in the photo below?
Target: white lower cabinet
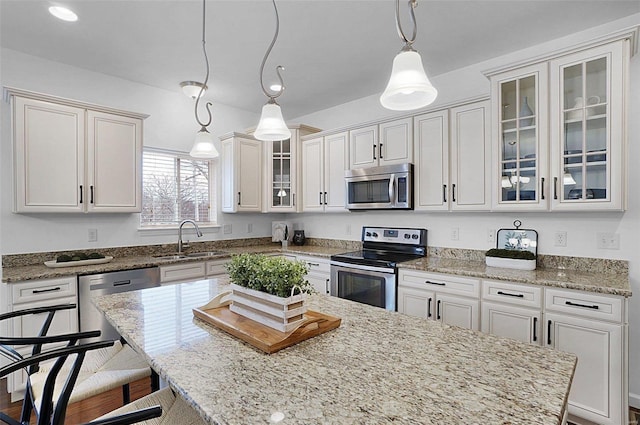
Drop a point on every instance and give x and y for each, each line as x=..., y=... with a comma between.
x=40, y=293
x=217, y=268
x=451, y=300
x=319, y=272
x=574, y=323
x=512, y=311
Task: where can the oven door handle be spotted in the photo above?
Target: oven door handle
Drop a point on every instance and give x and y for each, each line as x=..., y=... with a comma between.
x=361, y=268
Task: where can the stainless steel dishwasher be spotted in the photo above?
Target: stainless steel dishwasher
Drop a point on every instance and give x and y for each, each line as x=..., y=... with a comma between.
x=110, y=283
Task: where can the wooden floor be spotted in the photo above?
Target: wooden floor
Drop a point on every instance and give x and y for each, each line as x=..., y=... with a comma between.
x=85, y=410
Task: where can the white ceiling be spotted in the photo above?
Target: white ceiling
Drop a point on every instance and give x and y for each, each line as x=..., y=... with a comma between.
x=334, y=51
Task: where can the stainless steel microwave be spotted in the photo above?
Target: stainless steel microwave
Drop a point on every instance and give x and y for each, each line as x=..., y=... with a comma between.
x=386, y=187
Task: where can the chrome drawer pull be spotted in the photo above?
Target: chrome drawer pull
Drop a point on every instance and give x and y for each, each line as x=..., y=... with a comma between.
x=595, y=307
x=511, y=295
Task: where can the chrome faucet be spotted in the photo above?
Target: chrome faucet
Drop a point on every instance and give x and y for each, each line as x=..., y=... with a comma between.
x=198, y=232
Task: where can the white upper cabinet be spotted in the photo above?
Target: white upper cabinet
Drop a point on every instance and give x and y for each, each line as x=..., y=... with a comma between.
x=72, y=159
x=520, y=148
x=324, y=161
x=241, y=160
x=431, y=171
x=385, y=144
x=114, y=155
x=283, y=174
x=560, y=131
x=470, y=159
x=588, y=137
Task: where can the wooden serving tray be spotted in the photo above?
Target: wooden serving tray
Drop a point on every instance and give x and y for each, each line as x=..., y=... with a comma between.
x=263, y=337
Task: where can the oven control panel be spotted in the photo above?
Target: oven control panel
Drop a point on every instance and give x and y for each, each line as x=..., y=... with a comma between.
x=406, y=236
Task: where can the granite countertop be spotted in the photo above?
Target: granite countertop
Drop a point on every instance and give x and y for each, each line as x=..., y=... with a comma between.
x=40, y=271
x=604, y=283
x=377, y=367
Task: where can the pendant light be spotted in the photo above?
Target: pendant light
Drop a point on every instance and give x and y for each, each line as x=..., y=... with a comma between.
x=409, y=87
x=272, y=126
x=203, y=146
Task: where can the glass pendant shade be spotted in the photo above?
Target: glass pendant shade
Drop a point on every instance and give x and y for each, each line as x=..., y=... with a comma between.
x=567, y=179
x=203, y=146
x=408, y=87
x=193, y=88
x=272, y=126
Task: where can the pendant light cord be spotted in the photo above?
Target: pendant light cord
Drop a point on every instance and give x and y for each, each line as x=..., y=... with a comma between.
x=206, y=79
x=412, y=5
x=264, y=61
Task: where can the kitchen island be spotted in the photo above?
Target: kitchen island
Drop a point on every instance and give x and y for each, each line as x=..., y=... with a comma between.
x=377, y=367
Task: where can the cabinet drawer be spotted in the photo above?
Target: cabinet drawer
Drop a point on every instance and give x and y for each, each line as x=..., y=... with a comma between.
x=37, y=290
x=215, y=268
x=512, y=293
x=584, y=304
x=441, y=283
x=182, y=272
x=315, y=264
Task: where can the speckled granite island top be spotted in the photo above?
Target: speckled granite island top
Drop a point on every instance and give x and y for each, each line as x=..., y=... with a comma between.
x=378, y=367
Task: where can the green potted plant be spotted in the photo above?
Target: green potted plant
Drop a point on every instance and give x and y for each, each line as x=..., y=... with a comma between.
x=269, y=290
x=511, y=259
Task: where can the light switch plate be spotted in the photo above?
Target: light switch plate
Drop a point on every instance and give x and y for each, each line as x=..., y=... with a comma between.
x=92, y=235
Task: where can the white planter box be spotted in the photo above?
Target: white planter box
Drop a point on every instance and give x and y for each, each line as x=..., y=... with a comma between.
x=283, y=314
x=510, y=263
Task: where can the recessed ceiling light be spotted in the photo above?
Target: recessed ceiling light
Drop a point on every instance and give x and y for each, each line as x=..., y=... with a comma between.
x=63, y=13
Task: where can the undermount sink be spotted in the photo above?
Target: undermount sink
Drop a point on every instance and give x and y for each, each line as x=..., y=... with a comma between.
x=170, y=257
x=205, y=254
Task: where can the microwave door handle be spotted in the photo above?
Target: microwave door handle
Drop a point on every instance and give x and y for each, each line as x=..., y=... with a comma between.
x=392, y=183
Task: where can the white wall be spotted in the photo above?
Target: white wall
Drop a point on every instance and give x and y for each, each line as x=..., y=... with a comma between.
x=581, y=227
x=171, y=125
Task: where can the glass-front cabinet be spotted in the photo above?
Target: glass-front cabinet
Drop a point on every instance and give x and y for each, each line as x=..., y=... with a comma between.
x=281, y=194
x=520, y=120
x=587, y=128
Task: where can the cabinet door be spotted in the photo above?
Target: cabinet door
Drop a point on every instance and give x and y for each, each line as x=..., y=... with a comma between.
x=49, y=156
x=470, y=157
x=588, y=139
x=312, y=175
x=520, y=150
x=320, y=282
x=416, y=302
x=114, y=163
x=596, y=391
x=336, y=161
x=363, y=147
x=431, y=144
x=183, y=271
x=457, y=311
x=249, y=175
x=519, y=323
x=281, y=175
x=396, y=142
x=242, y=160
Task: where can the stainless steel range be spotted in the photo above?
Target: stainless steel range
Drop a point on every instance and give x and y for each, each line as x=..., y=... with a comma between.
x=370, y=276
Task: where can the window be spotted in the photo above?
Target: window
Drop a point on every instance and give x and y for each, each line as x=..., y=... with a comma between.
x=176, y=187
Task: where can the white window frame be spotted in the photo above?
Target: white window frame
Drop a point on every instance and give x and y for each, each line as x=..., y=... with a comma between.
x=213, y=205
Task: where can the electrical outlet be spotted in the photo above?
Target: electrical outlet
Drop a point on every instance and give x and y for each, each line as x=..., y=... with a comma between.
x=92, y=235
x=561, y=238
x=226, y=229
x=455, y=233
x=348, y=229
x=608, y=241
x=250, y=228
x=491, y=236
